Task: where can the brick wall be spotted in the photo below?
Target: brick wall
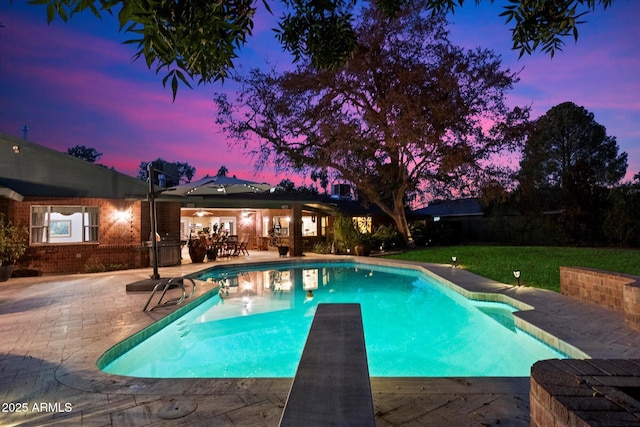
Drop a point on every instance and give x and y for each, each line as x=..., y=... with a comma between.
x=581, y=393
x=124, y=226
x=615, y=291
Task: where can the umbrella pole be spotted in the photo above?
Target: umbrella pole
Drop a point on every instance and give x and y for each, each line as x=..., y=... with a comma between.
x=152, y=210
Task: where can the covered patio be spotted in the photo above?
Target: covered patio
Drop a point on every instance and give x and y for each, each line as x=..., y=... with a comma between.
x=264, y=220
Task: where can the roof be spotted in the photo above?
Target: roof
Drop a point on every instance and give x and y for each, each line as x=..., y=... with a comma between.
x=265, y=200
x=28, y=169
x=451, y=208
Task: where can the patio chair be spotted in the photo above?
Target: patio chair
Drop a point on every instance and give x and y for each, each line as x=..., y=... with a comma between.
x=242, y=246
x=232, y=246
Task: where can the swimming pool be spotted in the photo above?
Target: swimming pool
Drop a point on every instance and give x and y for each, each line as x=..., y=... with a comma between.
x=255, y=323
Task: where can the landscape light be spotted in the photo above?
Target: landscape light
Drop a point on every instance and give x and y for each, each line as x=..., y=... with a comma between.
x=454, y=261
x=516, y=274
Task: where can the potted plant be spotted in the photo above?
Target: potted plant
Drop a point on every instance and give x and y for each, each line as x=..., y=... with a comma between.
x=217, y=238
x=363, y=243
x=13, y=244
x=276, y=239
x=197, y=248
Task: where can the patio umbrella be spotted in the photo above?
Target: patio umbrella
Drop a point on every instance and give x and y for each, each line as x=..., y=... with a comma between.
x=217, y=186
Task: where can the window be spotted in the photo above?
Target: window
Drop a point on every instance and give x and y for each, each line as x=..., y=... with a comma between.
x=362, y=223
x=281, y=225
x=309, y=227
x=64, y=224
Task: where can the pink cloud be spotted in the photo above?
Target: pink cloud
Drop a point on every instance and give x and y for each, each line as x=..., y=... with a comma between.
x=138, y=119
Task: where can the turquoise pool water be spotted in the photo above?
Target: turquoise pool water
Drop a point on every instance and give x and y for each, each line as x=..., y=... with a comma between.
x=258, y=323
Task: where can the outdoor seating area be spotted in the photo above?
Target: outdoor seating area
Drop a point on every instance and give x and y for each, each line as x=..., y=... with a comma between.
x=217, y=246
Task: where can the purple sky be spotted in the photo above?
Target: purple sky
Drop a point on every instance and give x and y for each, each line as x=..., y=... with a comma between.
x=74, y=84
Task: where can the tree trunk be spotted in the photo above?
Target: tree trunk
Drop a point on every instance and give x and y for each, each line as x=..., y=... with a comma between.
x=396, y=211
x=400, y=219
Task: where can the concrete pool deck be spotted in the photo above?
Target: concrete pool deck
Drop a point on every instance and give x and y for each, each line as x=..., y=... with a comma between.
x=53, y=329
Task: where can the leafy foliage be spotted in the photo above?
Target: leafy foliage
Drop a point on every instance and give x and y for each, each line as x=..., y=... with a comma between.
x=319, y=30
x=85, y=153
x=13, y=241
x=567, y=148
x=345, y=234
x=408, y=109
x=176, y=172
x=542, y=24
x=286, y=186
x=199, y=39
x=622, y=221
x=387, y=238
x=568, y=164
x=186, y=39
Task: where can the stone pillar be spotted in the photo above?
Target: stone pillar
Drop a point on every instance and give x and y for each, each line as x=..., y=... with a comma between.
x=631, y=292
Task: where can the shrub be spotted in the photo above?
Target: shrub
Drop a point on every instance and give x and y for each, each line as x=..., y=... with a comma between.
x=13, y=241
x=386, y=237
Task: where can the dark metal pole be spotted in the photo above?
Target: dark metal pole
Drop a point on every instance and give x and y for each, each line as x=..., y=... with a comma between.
x=152, y=210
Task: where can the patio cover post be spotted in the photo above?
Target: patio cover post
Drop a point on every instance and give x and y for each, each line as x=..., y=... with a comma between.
x=296, y=228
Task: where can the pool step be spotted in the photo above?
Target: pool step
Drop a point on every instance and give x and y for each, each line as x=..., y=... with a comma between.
x=332, y=386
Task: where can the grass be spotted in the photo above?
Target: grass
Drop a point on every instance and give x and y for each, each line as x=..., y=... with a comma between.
x=540, y=265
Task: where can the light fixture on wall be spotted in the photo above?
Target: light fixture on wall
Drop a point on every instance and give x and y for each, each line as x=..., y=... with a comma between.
x=245, y=218
x=516, y=274
x=121, y=215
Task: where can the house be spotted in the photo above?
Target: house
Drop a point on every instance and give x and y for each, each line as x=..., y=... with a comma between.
x=81, y=216
x=449, y=221
x=84, y=217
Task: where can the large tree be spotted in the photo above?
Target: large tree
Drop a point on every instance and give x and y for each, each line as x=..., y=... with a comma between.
x=201, y=39
x=408, y=109
x=567, y=149
x=568, y=163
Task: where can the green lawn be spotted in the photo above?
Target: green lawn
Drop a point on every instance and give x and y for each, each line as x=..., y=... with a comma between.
x=540, y=265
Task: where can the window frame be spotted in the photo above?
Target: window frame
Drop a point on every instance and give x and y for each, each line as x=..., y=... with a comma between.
x=40, y=234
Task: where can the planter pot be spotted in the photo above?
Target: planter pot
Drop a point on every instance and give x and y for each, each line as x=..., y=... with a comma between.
x=197, y=254
x=212, y=254
x=363, y=250
x=5, y=272
x=283, y=250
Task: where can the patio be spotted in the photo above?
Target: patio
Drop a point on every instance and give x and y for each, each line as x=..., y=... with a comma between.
x=53, y=329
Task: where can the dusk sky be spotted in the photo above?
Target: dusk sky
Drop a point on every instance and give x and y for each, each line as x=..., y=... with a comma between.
x=74, y=84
